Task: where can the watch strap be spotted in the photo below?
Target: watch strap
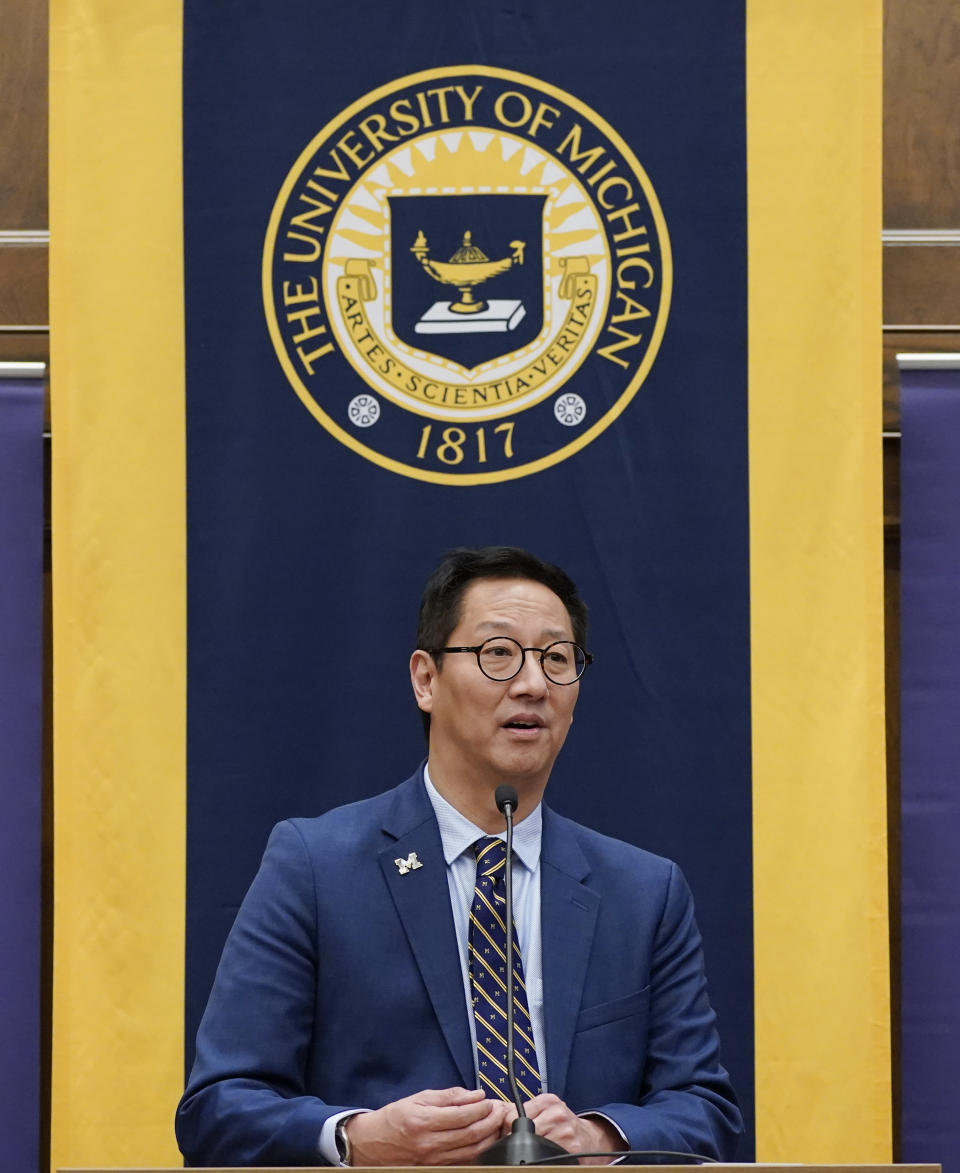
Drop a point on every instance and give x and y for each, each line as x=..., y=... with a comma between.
x=342, y=1140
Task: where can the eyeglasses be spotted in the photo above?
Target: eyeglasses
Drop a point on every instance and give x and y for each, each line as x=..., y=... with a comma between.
x=501, y=658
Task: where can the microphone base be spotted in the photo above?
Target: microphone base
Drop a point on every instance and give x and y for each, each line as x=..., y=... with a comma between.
x=521, y=1147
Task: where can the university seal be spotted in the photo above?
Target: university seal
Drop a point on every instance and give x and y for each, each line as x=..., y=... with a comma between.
x=466, y=275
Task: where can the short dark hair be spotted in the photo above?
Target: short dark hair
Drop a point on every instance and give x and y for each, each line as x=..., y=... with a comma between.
x=443, y=594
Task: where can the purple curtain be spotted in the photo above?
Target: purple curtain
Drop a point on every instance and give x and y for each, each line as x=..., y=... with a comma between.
x=930, y=794
x=21, y=700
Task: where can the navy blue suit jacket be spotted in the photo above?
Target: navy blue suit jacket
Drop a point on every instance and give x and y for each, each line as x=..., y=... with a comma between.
x=340, y=987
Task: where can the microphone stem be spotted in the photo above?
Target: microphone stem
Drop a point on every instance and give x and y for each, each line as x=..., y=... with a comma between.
x=508, y=891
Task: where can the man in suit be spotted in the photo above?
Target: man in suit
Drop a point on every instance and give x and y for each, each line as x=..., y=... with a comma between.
x=356, y=1017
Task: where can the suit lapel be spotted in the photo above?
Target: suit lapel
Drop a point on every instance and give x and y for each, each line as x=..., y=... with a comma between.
x=568, y=917
x=422, y=899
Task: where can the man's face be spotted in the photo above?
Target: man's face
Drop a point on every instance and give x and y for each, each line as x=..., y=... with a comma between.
x=496, y=731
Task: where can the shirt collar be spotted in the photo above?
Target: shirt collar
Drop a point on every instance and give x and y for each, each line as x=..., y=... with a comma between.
x=457, y=833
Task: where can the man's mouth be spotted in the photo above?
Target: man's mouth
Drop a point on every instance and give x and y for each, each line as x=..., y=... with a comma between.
x=524, y=723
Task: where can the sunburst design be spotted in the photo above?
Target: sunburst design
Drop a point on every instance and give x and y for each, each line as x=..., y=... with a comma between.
x=463, y=163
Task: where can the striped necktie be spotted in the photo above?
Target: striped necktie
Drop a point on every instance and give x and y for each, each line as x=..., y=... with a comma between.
x=488, y=969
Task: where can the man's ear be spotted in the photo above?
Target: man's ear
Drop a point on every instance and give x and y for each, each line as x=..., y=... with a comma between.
x=423, y=671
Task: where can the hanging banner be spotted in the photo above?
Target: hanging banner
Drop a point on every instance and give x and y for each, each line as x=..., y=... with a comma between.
x=456, y=320
x=469, y=280
x=930, y=749
x=22, y=389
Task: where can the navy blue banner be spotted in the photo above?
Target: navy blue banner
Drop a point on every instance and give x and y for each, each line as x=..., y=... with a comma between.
x=464, y=277
x=930, y=750
x=21, y=717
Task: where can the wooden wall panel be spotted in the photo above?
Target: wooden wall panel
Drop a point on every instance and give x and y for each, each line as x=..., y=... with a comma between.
x=23, y=114
x=24, y=345
x=921, y=140
x=921, y=284
x=23, y=285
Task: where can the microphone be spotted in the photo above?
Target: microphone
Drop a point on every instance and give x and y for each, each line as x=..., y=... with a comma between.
x=505, y=796
x=522, y=1146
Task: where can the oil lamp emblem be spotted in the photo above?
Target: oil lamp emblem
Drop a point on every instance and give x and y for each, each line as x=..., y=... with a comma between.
x=467, y=268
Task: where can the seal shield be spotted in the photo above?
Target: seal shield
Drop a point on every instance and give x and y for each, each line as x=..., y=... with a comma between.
x=484, y=298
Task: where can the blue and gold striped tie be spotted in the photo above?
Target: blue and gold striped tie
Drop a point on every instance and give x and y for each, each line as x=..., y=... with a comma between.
x=488, y=982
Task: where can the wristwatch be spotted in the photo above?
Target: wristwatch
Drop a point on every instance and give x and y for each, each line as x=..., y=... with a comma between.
x=342, y=1140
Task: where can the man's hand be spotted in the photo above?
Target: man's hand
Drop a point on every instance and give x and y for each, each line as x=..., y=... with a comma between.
x=448, y=1127
x=577, y=1134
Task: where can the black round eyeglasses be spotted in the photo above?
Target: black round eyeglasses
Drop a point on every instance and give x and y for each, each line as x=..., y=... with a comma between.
x=501, y=658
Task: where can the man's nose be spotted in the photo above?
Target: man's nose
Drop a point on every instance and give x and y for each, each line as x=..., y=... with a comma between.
x=530, y=680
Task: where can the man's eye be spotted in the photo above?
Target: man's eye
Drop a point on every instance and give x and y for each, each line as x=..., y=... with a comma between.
x=497, y=651
x=558, y=658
